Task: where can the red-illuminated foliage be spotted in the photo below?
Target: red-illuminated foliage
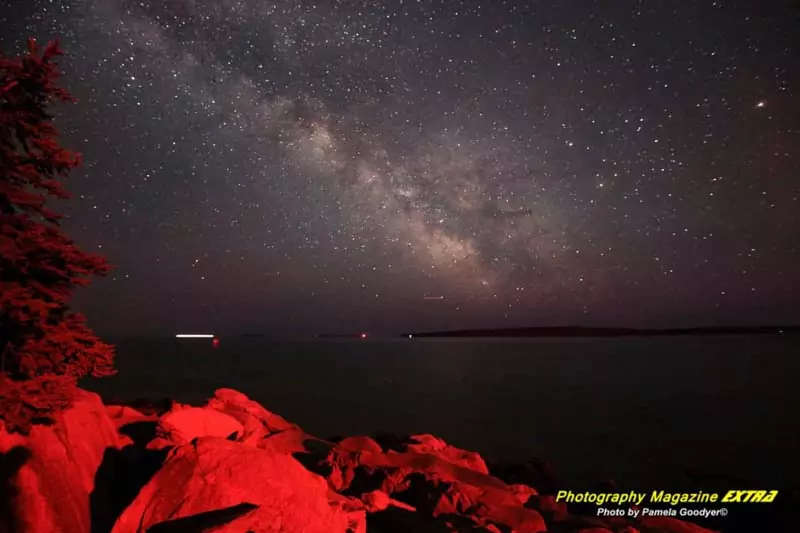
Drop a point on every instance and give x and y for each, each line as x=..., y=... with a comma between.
x=44, y=347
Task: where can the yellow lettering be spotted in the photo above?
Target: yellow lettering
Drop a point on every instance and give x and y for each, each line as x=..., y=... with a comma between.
x=750, y=496
x=657, y=496
x=561, y=495
x=732, y=496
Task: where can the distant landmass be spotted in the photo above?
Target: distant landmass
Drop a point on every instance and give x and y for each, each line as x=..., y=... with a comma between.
x=605, y=332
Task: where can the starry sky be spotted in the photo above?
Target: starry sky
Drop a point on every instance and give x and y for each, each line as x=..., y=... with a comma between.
x=255, y=166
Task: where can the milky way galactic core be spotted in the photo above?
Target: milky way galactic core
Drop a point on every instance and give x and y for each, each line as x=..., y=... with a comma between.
x=395, y=165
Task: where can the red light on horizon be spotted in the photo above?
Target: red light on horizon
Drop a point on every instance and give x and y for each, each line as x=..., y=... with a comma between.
x=363, y=335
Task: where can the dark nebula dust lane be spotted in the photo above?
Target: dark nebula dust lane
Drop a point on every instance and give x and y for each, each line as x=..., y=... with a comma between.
x=317, y=166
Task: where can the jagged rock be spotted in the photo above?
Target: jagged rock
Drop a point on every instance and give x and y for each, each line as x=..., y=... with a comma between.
x=428, y=444
x=260, y=427
x=214, y=474
x=437, y=479
x=232, y=466
x=47, y=477
x=122, y=415
x=183, y=425
x=249, y=413
x=348, y=457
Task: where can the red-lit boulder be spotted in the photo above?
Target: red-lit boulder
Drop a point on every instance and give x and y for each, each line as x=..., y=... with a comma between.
x=428, y=444
x=437, y=479
x=349, y=456
x=249, y=413
x=260, y=427
x=203, y=481
x=49, y=475
x=229, y=414
x=183, y=425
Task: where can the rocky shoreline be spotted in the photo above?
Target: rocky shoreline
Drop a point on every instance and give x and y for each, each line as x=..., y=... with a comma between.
x=232, y=466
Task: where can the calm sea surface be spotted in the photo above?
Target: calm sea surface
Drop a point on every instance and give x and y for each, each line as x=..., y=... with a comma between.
x=638, y=411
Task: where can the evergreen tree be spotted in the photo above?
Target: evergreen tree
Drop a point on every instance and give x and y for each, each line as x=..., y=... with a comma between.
x=44, y=348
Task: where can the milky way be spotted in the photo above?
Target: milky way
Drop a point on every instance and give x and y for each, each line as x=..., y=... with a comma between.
x=257, y=165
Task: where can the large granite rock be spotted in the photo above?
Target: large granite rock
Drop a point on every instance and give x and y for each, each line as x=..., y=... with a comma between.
x=274, y=492
x=48, y=476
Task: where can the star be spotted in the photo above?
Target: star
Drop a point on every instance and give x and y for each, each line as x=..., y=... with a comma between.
x=395, y=149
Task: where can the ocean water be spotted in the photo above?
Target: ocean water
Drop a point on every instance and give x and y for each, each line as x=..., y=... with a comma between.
x=638, y=411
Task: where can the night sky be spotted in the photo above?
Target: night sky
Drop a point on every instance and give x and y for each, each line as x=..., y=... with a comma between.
x=255, y=166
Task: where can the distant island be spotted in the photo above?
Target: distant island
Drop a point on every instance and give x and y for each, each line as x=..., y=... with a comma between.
x=604, y=332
